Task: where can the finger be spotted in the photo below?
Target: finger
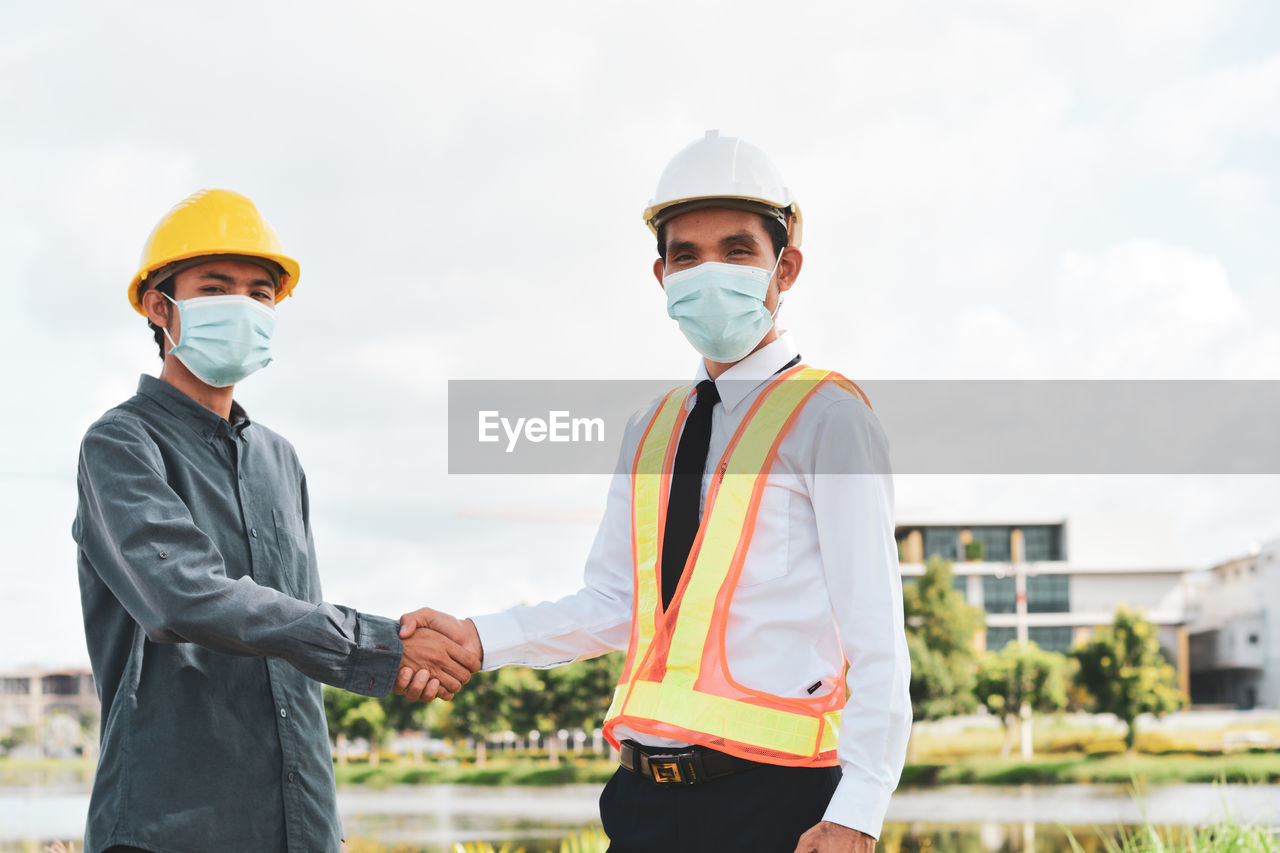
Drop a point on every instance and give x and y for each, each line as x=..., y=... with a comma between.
x=448, y=682
x=408, y=624
x=403, y=677
x=432, y=691
x=459, y=663
x=419, y=683
x=466, y=656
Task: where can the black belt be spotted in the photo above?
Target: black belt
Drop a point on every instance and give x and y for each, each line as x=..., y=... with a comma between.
x=680, y=767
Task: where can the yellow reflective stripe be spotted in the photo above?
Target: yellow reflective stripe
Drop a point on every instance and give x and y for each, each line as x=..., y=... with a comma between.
x=717, y=716
x=726, y=520
x=831, y=731
x=647, y=485
x=619, y=696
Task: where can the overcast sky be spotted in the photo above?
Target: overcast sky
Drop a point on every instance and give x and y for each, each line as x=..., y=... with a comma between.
x=1060, y=189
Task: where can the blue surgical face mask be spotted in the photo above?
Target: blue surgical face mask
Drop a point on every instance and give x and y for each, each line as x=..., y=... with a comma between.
x=223, y=338
x=720, y=307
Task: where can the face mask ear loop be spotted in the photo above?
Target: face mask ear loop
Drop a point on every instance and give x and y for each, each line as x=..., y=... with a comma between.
x=165, y=329
x=781, y=293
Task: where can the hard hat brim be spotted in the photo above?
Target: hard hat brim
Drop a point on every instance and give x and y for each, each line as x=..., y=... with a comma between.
x=290, y=272
x=789, y=215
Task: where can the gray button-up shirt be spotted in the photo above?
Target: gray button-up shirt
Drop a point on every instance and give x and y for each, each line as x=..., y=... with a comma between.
x=208, y=636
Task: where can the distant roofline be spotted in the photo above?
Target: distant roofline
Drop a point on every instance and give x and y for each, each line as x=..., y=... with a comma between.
x=1047, y=567
x=972, y=523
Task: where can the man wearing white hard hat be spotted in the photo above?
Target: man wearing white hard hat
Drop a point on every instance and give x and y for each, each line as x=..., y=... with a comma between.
x=746, y=559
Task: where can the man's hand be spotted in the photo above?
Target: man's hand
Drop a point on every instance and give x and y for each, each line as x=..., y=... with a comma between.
x=459, y=638
x=828, y=837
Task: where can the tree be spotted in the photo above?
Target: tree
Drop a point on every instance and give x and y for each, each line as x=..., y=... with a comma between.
x=578, y=695
x=18, y=736
x=479, y=709
x=1125, y=673
x=1019, y=673
x=350, y=715
x=940, y=628
x=60, y=734
x=527, y=700
x=366, y=719
x=406, y=716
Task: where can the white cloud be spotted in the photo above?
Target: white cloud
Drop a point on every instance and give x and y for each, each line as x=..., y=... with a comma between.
x=1007, y=189
x=1145, y=309
x=1235, y=195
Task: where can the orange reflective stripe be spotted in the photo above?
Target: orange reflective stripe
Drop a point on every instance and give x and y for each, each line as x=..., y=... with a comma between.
x=851, y=387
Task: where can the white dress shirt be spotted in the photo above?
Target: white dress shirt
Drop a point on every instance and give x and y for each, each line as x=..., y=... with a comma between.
x=821, y=575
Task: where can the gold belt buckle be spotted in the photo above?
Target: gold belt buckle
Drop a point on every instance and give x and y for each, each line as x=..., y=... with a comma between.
x=666, y=771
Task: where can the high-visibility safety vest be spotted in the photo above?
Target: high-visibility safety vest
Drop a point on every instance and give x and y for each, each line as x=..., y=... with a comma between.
x=676, y=683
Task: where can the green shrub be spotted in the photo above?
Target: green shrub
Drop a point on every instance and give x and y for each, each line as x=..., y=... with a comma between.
x=494, y=776
x=1102, y=748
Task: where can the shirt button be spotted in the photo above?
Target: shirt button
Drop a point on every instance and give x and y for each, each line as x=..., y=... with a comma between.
x=290, y=775
x=283, y=713
x=253, y=532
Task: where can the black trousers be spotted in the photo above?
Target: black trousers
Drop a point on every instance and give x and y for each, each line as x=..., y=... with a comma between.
x=762, y=810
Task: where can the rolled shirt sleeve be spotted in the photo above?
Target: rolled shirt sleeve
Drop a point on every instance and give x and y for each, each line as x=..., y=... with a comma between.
x=592, y=621
x=144, y=544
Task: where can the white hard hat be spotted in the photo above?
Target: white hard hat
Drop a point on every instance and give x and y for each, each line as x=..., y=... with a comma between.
x=716, y=169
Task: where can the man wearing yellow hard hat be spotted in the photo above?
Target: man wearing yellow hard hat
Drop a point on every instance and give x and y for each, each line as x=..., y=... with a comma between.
x=746, y=559
x=202, y=607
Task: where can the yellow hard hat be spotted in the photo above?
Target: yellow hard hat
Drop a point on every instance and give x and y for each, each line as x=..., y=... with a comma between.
x=212, y=222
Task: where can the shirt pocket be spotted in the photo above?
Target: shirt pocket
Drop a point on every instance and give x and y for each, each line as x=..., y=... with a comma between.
x=291, y=543
x=769, y=557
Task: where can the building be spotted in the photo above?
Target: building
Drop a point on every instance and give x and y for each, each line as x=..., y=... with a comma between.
x=1079, y=569
x=1234, y=622
x=28, y=696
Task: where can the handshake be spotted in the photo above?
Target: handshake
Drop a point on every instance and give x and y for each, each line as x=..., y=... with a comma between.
x=440, y=654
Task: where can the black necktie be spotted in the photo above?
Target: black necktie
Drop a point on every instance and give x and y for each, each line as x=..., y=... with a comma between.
x=685, y=498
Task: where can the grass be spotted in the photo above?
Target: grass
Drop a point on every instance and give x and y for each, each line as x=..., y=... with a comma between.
x=45, y=772
x=1112, y=769
x=495, y=772
x=1054, y=737
x=981, y=770
x=1065, y=754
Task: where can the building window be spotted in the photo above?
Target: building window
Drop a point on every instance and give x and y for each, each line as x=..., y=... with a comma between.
x=942, y=542
x=960, y=583
x=1056, y=639
x=998, y=638
x=61, y=685
x=1049, y=594
x=15, y=686
x=999, y=595
x=1042, y=542
x=995, y=543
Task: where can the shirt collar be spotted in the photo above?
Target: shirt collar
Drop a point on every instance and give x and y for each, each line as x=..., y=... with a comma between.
x=203, y=421
x=751, y=372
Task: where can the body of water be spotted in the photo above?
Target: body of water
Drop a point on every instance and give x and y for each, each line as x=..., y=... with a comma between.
x=429, y=819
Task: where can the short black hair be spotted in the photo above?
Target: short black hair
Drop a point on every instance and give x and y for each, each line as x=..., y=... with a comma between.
x=165, y=287
x=776, y=230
